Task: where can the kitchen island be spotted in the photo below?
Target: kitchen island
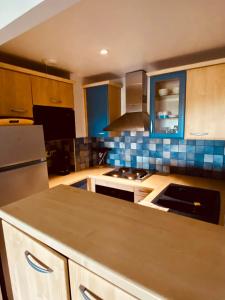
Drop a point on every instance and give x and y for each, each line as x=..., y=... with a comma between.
x=144, y=252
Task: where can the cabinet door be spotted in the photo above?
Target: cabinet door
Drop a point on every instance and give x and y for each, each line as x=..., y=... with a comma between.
x=50, y=92
x=97, y=110
x=36, y=271
x=167, y=98
x=205, y=103
x=86, y=285
x=15, y=94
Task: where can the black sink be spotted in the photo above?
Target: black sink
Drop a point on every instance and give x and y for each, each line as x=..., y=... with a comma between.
x=198, y=203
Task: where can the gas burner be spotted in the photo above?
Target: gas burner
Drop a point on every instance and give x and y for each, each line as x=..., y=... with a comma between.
x=123, y=170
x=130, y=173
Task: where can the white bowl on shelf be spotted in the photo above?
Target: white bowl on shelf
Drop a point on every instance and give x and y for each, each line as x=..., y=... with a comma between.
x=175, y=90
x=163, y=92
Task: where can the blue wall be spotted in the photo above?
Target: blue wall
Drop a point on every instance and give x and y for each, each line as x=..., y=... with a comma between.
x=195, y=157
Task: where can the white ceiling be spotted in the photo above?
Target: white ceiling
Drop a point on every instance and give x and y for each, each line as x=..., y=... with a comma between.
x=136, y=32
x=13, y=9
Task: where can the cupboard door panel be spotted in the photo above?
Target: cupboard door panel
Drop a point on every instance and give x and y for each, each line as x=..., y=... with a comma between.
x=97, y=110
x=50, y=92
x=36, y=271
x=15, y=94
x=205, y=103
x=86, y=285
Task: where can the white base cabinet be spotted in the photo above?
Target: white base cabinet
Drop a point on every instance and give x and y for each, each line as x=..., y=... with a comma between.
x=86, y=285
x=36, y=271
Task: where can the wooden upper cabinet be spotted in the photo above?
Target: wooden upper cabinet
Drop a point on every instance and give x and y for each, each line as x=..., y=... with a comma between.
x=205, y=103
x=15, y=94
x=50, y=92
x=36, y=271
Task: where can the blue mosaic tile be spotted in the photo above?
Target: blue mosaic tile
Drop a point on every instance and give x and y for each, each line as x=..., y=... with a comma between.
x=200, y=142
x=182, y=148
x=167, y=141
x=159, y=147
x=139, y=146
x=136, y=149
x=174, y=155
x=158, y=161
x=209, y=143
x=152, y=160
x=199, y=157
x=166, y=154
x=152, y=147
x=133, y=146
x=199, y=149
x=191, y=142
x=182, y=155
x=174, y=162
x=166, y=147
x=208, y=158
x=190, y=148
x=219, y=143
x=174, y=148
x=218, y=150
x=127, y=139
x=174, y=142
x=208, y=149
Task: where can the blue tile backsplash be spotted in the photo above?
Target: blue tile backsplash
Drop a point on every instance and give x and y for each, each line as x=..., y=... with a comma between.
x=136, y=149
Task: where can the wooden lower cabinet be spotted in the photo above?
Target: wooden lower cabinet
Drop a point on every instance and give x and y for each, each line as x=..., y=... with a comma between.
x=36, y=271
x=86, y=285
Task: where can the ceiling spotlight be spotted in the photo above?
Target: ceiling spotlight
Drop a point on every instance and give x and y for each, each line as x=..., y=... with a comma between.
x=104, y=51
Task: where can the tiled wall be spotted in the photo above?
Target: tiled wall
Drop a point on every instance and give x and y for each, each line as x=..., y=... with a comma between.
x=136, y=149
x=85, y=153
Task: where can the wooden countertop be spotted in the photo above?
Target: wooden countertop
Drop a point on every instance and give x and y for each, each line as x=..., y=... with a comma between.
x=73, y=177
x=149, y=253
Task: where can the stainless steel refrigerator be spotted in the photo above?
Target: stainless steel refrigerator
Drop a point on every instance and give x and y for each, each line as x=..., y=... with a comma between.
x=23, y=167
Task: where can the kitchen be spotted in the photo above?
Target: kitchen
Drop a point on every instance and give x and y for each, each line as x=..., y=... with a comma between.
x=131, y=146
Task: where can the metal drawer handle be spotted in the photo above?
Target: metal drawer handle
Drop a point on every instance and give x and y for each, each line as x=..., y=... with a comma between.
x=199, y=134
x=87, y=294
x=37, y=265
x=19, y=110
x=54, y=100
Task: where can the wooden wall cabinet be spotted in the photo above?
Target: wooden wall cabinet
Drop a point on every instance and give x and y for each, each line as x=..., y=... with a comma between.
x=36, y=271
x=50, y=92
x=86, y=285
x=15, y=94
x=205, y=103
x=103, y=105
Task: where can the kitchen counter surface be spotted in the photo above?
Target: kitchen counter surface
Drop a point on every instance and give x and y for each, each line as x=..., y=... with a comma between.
x=73, y=177
x=155, y=182
x=149, y=253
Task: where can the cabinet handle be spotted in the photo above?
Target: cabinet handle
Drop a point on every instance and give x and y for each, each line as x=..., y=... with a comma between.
x=151, y=127
x=19, y=110
x=37, y=265
x=199, y=133
x=86, y=295
x=53, y=100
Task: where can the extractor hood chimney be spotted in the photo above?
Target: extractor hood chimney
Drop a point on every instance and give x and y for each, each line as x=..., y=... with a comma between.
x=136, y=117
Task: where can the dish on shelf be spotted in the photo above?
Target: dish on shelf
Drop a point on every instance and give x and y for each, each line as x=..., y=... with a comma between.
x=163, y=114
x=175, y=90
x=171, y=116
x=163, y=92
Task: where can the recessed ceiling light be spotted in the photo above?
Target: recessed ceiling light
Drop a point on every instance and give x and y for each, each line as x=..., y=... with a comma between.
x=104, y=51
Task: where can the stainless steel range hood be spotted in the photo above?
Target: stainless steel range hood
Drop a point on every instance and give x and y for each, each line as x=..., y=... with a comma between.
x=136, y=117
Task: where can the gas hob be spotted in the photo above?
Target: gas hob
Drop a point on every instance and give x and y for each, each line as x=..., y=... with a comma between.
x=130, y=173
